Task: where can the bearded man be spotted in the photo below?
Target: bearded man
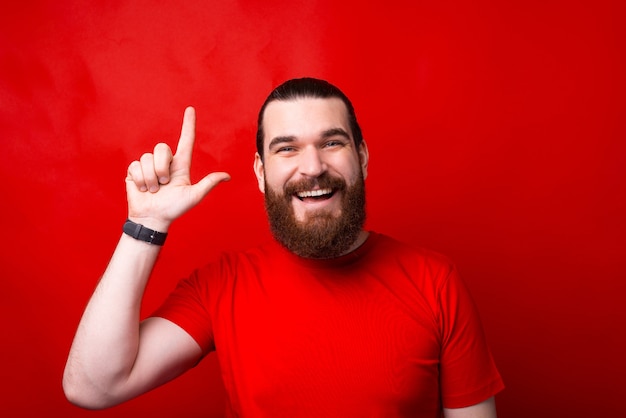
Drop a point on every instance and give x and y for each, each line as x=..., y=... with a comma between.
x=328, y=320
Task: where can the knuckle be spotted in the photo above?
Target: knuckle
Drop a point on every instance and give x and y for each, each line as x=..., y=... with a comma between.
x=134, y=169
x=161, y=146
x=146, y=157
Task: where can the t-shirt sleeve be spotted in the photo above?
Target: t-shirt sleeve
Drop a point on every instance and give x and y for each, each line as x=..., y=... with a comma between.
x=187, y=307
x=468, y=372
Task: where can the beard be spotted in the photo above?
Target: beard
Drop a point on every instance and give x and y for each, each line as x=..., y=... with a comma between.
x=322, y=234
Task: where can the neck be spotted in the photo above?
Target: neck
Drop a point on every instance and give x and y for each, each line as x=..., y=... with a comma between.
x=358, y=242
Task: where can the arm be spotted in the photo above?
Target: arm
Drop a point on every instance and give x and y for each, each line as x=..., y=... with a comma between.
x=485, y=409
x=114, y=357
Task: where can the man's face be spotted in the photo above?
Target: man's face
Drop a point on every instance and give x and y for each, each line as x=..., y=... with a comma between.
x=312, y=176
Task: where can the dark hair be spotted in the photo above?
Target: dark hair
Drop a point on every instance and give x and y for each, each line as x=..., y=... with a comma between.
x=307, y=87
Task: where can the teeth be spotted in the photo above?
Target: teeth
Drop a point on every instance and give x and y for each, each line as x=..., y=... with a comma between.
x=314, y=193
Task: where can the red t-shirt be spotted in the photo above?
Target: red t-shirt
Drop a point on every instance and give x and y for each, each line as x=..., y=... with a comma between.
x=385, y=331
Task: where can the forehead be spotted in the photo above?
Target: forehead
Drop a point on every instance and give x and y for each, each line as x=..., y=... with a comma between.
x=304, y=117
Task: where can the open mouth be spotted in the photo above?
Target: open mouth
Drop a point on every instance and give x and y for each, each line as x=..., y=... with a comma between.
x=315, y=195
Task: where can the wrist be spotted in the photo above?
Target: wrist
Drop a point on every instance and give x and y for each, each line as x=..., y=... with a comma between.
x=151, y=223
x=142, y=233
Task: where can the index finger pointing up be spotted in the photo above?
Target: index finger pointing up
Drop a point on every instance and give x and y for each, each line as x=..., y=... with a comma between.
x=187, y=135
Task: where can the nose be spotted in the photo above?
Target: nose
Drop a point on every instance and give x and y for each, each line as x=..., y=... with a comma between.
x=311, y=163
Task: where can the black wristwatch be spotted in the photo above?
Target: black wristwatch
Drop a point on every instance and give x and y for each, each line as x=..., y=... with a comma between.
x=142, y=233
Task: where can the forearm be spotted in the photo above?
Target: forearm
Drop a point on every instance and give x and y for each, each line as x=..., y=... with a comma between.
x=107, y=340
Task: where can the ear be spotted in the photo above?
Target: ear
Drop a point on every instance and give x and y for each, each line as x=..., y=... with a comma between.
x=259, y=172
x=364, y=158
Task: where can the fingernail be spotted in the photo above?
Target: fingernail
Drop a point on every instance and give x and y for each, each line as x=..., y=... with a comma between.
x=163, y=180
x=143, y=189
x=154, y=189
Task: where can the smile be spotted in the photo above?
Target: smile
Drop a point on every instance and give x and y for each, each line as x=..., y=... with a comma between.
x=315, y=194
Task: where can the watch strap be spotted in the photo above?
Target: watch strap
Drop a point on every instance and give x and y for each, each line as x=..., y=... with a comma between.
x=141, y=233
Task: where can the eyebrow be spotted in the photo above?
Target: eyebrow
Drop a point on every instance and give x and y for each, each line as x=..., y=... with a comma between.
x=290, y=138
x=281, y=140
x=335, y=132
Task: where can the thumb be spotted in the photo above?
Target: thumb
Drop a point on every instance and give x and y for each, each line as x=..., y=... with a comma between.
x=204, y=186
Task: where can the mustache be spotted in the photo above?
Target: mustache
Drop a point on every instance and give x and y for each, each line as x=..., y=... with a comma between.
x=324, y=181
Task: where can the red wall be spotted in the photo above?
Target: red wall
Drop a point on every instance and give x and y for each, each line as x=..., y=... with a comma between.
x=496, y=134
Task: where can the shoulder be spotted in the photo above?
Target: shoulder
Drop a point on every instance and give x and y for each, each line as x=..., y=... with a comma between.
x=410, y=256
x=416, y=271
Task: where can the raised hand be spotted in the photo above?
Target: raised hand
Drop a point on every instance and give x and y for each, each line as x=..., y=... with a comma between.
x=158, y=186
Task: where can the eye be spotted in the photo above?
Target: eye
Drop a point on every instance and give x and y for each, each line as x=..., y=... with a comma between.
x=287, y=149
x=333, y=143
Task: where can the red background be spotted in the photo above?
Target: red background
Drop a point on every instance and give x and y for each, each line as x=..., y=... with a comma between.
x=496, y=137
